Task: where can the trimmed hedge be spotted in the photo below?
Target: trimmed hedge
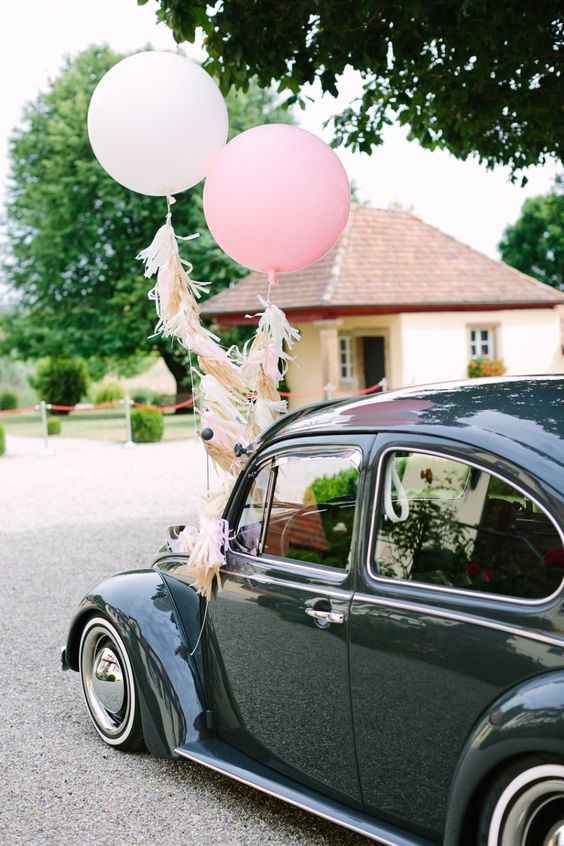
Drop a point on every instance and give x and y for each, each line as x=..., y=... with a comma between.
x=143, y=396
x=147, y=425
x=61, y=381
x=8, y=400
x=108, y=392
x=2, y=441
x=53, y=426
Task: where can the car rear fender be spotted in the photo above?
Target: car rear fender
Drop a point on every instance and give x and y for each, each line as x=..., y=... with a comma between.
x=527, y=719
x=169, y=680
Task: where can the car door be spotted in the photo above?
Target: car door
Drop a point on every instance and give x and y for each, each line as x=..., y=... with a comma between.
x=278, y=628
x=460, y=583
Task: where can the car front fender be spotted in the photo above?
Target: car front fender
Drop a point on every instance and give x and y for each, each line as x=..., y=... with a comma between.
x=527, y=719
x=169, y=683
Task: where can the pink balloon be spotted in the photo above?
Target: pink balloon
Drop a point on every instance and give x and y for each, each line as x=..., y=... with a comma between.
x=276, y=198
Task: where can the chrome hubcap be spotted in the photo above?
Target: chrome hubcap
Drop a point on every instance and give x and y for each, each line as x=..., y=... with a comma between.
x=555, y=835
x=105, y=681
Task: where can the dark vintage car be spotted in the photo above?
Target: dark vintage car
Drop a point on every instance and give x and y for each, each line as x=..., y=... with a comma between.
x=387, y=647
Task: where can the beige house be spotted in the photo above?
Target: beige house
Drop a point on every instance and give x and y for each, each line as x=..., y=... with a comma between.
x=400, y=300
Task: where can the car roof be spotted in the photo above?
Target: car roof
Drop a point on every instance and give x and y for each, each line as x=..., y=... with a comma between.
x=519, y=418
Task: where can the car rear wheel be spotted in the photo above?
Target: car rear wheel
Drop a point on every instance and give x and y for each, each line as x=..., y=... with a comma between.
x=108, y=686
x=525, y=806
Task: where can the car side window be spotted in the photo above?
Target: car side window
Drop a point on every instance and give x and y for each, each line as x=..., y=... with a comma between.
x=447, y=523
x=313, y=504
x=249, y=528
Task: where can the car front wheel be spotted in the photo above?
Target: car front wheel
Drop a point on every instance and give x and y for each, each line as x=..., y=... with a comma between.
x=525, y=806
x=108, y=685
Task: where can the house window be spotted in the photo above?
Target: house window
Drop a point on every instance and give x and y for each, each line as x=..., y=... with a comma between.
x=481, y=342
x=346, y=361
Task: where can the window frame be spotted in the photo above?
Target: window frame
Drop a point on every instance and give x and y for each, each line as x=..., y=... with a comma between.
x=248, y=483
x=492, y=341
x=348, y=351
x=443, y=589
x=295, y=450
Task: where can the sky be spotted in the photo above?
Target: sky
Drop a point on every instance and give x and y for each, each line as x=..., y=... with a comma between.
x=461, y=198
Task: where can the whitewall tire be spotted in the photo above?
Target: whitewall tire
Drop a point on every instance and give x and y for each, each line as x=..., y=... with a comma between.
x=108, y=685
x=525, y=806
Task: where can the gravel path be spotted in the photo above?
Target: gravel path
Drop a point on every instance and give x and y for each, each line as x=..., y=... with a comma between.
x=66, y=522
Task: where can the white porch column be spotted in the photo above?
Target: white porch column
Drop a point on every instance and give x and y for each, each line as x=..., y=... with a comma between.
x=329, y=348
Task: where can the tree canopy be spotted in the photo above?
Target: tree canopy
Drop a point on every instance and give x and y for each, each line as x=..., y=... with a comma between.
x=73, y=233
x=468, y=76
x=535, y=243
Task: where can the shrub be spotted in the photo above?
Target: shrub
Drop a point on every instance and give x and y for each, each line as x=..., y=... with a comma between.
x=339, y=486
x=108, y=392
x=8, y=399
x=159, y=399
x=143, y=396
x=147, y=425
x=61, y=381
x=53, y=426
x=2, y=441
x=478, y=367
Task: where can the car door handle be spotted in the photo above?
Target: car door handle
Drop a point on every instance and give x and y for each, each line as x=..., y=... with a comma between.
x=325, y=616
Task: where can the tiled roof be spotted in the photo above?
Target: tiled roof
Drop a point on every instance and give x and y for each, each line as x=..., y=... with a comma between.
x=391, y=258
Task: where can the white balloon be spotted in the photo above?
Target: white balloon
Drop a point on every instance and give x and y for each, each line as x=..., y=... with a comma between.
x=156, y=121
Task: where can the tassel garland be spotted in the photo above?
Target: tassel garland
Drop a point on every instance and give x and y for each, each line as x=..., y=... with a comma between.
x=237, y=396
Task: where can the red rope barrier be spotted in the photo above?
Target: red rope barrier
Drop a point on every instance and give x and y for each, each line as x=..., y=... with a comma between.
x=30, y=409
x=186, y=404
x=27, y=410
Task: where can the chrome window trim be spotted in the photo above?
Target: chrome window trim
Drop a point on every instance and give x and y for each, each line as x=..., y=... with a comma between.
x=329, y=573
x=440, y=588
x=342, y=594
x=460, y=617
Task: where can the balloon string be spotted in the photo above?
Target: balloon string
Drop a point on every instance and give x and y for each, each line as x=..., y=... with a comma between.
x=170, y=201
x=271, y=281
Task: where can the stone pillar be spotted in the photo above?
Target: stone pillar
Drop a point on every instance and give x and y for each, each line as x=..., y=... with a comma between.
x=329, y=346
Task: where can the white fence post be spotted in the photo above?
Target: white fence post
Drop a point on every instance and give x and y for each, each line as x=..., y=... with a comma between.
x=127, y=402
x=42, y=408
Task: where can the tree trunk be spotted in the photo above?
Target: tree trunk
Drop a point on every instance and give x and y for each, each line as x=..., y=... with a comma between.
x=180, y=372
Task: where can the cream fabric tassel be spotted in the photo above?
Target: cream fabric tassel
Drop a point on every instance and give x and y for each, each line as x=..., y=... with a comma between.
x=207, y=544
x=239, y=396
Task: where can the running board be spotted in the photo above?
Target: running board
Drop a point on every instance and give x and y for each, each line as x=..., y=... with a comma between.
x=225, y=759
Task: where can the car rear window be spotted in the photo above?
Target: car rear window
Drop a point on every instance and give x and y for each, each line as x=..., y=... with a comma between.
x=447, y=523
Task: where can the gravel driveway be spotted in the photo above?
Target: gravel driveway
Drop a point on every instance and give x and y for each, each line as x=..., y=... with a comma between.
x=66, y=522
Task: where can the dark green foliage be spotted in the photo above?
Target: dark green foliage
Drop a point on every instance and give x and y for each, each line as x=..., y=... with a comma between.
x=61, y=381
x=535, y=243
x=8, y=399
x=471, y=77
x=147, y=425
x=143, y=396
x=342, y=485
x=53, y=426
x=2, y=441
x=73, y=233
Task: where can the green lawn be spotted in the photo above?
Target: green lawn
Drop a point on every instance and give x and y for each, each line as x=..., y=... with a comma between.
x=107, y=425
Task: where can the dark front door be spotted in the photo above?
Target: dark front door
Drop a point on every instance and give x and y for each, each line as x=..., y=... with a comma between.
x=279, y=625
x=374, y=361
